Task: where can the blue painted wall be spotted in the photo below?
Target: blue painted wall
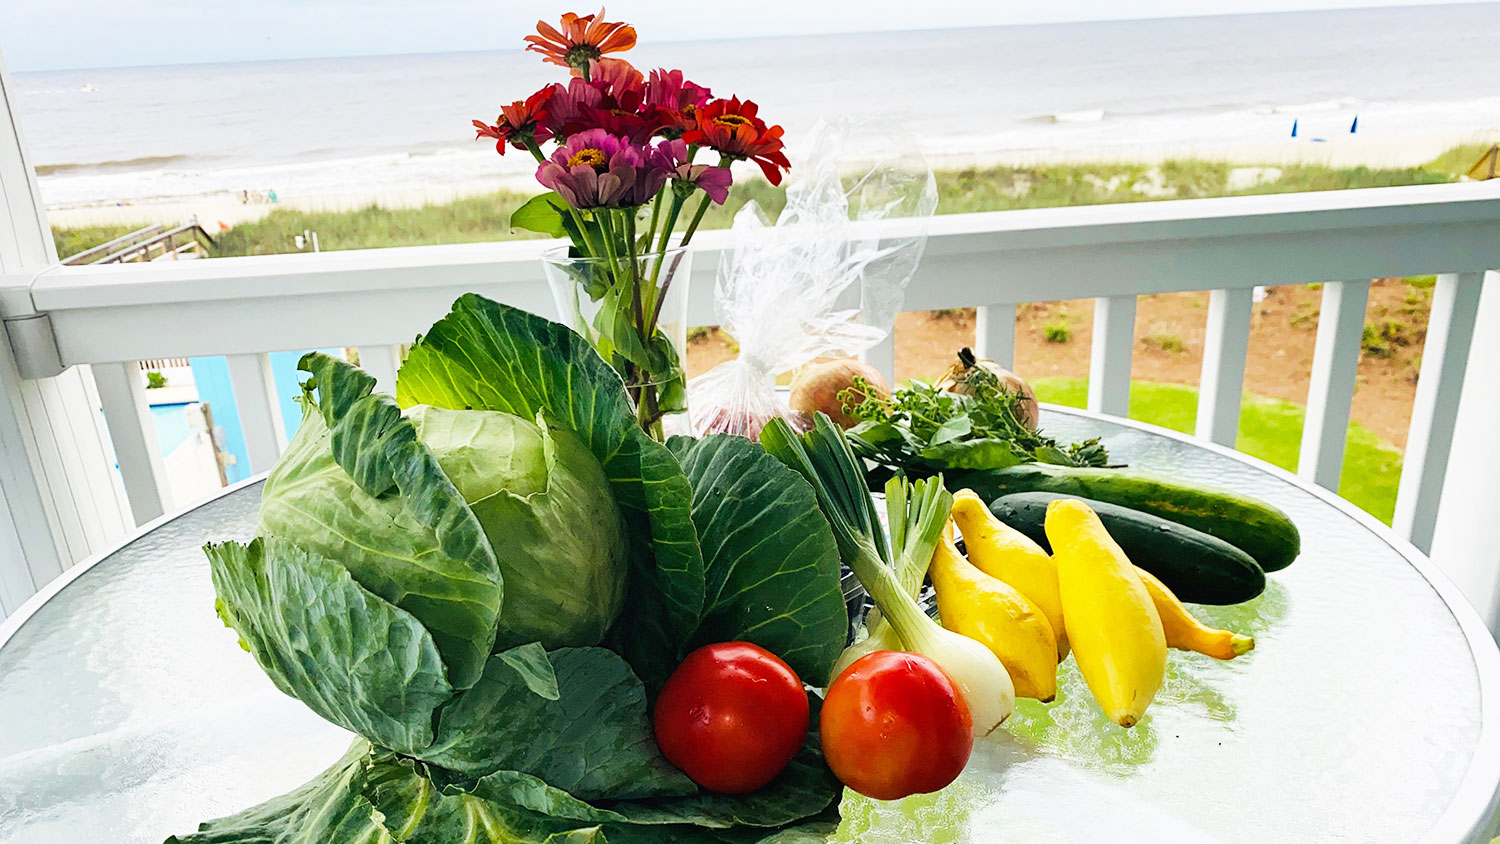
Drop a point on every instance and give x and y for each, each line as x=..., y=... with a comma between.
x=212, y=377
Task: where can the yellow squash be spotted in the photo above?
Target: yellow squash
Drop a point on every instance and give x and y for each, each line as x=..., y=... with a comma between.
x=1186, y=633
x=1113, y=625
x=1004, y=553
x=988, y=611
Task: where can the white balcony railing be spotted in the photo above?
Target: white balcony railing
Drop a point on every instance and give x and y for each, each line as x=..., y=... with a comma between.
x=112, y=317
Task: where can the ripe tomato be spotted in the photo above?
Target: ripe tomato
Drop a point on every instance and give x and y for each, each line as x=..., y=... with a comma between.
x=893, y=724
x=731, y=716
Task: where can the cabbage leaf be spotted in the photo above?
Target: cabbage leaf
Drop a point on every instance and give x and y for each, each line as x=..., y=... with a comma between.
x=770, y=561
x=487, y=356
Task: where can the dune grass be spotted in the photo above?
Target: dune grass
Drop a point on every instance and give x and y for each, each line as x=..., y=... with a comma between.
x=81, y=239
x=485, y=218
x=1270, y=429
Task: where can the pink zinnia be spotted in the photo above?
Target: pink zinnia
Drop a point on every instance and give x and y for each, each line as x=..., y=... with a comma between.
x=670, y=89
x=675, y=100
x=672, y=157
x=566, y=102
x=616, y=77
x=595, y=169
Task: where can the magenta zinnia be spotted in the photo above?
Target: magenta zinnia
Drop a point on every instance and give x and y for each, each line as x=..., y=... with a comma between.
x=672, y=156
x=595, y=169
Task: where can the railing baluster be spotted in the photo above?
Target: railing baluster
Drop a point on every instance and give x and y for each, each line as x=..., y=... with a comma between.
x=882, y=356
x=381, y=362
x=260, y=417
x=995, y=334
x=1223, y=380
x=123, y=398
x=1341, y=323
x=1109, y=360
x=1445, y=356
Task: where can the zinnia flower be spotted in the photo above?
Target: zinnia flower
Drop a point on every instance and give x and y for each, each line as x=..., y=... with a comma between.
x=672, y=156
x=732, y=128
x=675, y=100
x=520, y=123
x=669, y=89
x=580, y=40
x=595, y=169
x=617, y=78
x=565, y=105
x=617, y=118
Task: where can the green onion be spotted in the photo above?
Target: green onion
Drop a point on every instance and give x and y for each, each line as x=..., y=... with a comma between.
x=917, y=513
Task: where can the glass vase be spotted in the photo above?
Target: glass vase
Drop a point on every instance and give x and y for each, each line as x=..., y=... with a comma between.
x=633, y=311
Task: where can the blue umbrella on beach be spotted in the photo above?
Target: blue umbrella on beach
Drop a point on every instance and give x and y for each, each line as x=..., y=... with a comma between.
x=1294, y=127
x=1353, y=127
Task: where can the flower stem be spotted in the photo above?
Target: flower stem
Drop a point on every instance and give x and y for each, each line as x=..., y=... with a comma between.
x=655, y=213
x=697, y=218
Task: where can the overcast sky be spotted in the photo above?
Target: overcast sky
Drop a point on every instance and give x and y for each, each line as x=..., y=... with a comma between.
x=59, y=34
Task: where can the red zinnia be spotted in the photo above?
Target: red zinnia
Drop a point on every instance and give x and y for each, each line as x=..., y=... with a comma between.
x=732, y=128
x=581, y=40
x=519, y=123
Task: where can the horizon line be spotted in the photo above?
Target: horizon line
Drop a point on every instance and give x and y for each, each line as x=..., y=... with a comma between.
x=849, y=33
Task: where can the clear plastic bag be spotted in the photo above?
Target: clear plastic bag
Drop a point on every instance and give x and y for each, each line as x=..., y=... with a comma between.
x=827, y=280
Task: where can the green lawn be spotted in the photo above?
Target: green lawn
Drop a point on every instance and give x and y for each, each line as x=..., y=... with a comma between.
x=1270, y=429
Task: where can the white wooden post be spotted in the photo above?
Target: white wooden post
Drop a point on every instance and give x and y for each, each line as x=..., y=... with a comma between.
x=1341, y=324
x=995, y=334
x=260, y=414
x=1466, y=535
x=882, y=356
x=1109, y=361
x=130, y=428
x=1223, y=380
x=28, y=549
x=50, y=518
x=382, y=363
x=1445, y=356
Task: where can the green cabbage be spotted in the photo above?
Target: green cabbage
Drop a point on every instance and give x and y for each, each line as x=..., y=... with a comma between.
x=541, y=499
x=488, y=586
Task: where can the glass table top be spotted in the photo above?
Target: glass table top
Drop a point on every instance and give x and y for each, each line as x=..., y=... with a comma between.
x=128, y=713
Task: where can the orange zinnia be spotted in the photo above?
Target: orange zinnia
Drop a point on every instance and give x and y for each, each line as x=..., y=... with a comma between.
x=581, y=40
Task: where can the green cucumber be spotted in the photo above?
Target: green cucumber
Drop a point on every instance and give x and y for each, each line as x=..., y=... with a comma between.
x=1197, y=567
x=1257, y=528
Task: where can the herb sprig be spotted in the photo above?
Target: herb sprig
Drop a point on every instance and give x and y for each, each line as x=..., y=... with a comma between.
x=921, y=429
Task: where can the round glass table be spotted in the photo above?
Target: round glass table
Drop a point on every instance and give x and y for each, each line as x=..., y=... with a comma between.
x=1368, y=711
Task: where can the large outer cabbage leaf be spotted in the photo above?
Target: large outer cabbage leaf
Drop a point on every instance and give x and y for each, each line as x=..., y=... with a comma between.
x=352, y=657
x=770, y=561
x=330, y=809
x=356, y=486
x=373, y=796
x=594, y=739
x=488, y=356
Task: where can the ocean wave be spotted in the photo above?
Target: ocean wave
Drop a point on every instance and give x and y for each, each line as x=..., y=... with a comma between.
x=1091, y=115
x=1301, y=108
x=145, y=162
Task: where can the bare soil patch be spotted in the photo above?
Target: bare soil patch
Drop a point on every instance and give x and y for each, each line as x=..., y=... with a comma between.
x=1169, y=337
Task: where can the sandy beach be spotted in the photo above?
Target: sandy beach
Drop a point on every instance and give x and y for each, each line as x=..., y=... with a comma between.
x=228, y=208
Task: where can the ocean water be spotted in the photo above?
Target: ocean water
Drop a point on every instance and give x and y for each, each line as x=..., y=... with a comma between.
x=402, y=122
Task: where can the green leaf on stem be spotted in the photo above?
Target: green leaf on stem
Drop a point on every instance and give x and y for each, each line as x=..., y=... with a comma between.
x=544, y=214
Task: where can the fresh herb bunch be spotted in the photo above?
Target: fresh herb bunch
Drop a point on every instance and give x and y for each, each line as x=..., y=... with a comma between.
x=922, y=430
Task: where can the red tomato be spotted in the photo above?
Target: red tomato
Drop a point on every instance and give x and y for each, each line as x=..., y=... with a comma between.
x=731, y=717
x=893, y=724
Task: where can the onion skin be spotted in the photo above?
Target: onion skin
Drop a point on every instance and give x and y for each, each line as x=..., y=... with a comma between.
x=956, y=380
x=817, y=387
